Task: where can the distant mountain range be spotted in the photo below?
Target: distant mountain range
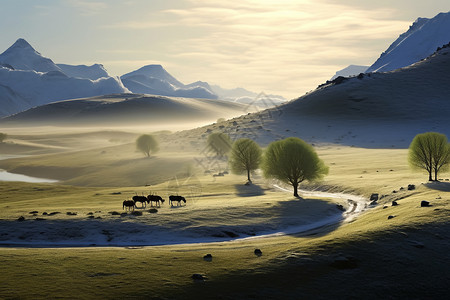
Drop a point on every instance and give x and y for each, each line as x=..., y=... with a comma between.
x=28, y=79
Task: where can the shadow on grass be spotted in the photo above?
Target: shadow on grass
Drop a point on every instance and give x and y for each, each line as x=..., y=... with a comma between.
x=251, y=190
x=439, y=186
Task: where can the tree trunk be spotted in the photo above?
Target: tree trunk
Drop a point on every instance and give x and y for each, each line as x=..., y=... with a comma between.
x=296, y=190
x=430, y=178
x=248, y=176
x=435, y=175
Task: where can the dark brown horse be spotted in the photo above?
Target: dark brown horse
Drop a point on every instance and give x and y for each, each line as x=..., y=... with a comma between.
x=177, y=199
x=128, y=204
x=155, y=198
x=141, y=199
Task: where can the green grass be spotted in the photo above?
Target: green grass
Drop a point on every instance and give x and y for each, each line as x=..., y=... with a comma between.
x=291, y=266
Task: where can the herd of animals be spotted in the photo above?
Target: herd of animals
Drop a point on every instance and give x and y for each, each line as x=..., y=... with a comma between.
x=144, y=200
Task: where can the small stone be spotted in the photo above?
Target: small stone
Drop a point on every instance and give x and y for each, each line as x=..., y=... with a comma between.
x=391, y=217
x=258, y=252
x=21, y=218
x=374, y=197
x=394, y=203
x=411, y=187
x=153, y=210
x=44, y=213
x=71, y=213
x=425, y=204
x=207, y=257
x=33, y=212
x=384, y=207
x=114, y=213
x=137, y=213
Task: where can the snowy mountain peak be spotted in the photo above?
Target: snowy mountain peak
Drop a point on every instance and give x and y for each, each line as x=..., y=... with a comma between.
x=420, y=41
x=22, y=56
x=21, y=43
x=155, y=71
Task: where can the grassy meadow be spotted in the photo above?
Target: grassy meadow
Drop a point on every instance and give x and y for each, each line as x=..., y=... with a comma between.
x=371, y=257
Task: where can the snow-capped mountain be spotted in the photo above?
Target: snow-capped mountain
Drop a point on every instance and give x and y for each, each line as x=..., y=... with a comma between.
x=22, y=56
x=421, y=40
x=154, y=79
x=29, y=79
x=93, y=72
x=352, y=70
x=374, y=110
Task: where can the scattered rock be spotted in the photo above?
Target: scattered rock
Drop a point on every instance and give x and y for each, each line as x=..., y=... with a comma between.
x=21, y=218
x=402, y=188
x=374, y=197
x=90, y=213
x=54, y=213
x=44, y=213
x=98, y=217
x=114, y=213
x=91, y=217
x=394, y=191
x=137, y=213
x=394, y=203
x=258, y=252
x=153, y=210
x=411, y=187
x=341, y=207
x=384, y=207
x=391, y=217
x=207, y=257
x=425, y=204
x=33, y=212
x=373, y=203
x=40, y=219
x=116, y=193
x=71, y=213
x=199, y=277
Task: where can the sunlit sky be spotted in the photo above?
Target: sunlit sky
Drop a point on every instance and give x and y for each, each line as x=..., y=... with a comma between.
x=276, y=46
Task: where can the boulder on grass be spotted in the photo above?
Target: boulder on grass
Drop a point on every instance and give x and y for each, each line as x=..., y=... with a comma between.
x=411, y=187
x=374, y=197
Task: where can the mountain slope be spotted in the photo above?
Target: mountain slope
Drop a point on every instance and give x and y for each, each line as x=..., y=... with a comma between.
x=351, y=70
x=422, y=38
x=128, y=109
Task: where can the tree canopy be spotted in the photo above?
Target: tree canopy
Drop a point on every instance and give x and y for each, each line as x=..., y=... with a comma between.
x=220, y=143
x=245, y=156
x=292, y=161
x=429, y=151
x=147, y=144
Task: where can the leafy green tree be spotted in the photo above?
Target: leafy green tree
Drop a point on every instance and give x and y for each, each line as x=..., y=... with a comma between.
x=429, y=151
x=292, y=161
x=245, y=156
x=147, y=144
x=3, y=136
x=220, y=143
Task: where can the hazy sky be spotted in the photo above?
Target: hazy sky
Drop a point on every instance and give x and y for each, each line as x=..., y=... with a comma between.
x=275, y=46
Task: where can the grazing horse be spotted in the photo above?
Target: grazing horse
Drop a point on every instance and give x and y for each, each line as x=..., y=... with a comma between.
x=128, y=204
x=141, y=199
x=155, y=198
x=177, y=199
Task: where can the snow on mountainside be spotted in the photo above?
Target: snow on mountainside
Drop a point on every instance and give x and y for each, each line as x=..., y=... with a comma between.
x=28, y=79
x=421, y=40
x=154, y=79
x=241, y=95
x=93, y=72
x=351, y=70
x=375, y=110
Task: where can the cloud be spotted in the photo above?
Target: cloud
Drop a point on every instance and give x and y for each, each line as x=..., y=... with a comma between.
x=279, y=46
